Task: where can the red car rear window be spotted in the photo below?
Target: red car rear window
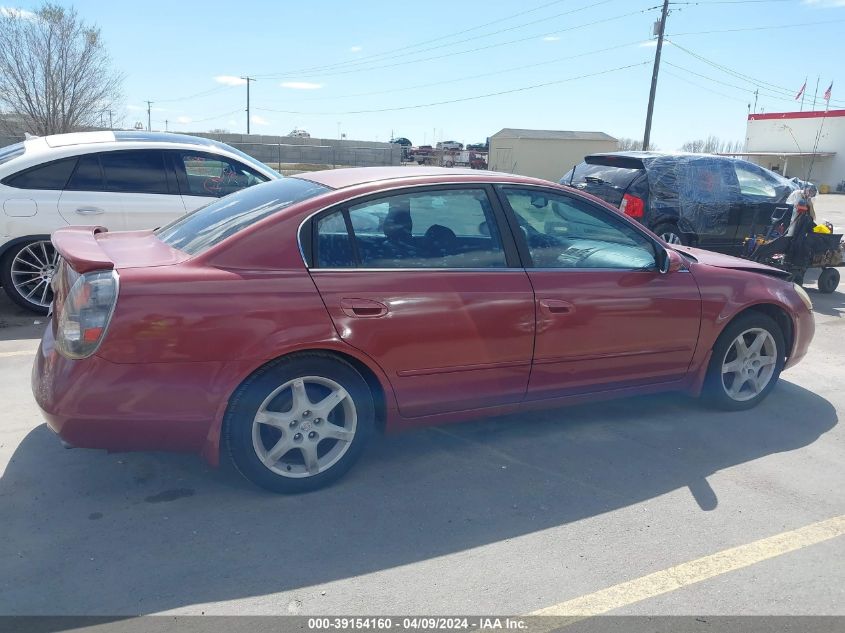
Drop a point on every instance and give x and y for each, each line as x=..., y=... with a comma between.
x=213, y=223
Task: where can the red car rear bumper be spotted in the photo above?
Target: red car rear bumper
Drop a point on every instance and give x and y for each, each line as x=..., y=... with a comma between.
x=94, y=403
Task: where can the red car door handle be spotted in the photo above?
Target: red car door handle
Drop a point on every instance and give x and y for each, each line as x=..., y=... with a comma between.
x=362, y=308
x=556, y=306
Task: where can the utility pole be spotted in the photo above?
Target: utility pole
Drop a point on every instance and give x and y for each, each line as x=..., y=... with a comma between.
x=756, y=92
x=650, y=112
x=803, y=92
x=247, y=79
x=165, y=125
x=149, y=121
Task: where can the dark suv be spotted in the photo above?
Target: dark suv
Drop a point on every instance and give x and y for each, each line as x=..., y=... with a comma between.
x=698, y=199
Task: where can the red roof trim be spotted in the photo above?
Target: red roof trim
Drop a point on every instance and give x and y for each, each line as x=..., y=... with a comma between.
x=815, y=114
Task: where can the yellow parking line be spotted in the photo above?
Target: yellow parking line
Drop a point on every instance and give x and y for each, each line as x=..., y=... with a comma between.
x=694, y=571
x=17, y=353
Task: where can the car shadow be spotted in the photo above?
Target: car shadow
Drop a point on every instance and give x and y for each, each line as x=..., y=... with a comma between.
x=88, y=532
x=17, y=323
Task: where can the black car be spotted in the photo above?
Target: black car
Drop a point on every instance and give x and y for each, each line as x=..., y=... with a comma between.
x=696, y=199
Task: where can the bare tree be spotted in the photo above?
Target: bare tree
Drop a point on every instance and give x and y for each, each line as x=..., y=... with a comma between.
x=55, y=73
x=627, y=144
x=712, y=145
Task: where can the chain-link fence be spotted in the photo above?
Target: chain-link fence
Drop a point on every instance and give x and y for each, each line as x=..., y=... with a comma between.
x=296, y=156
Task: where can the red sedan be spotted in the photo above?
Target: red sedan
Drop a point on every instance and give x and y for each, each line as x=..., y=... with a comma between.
x=283, y=324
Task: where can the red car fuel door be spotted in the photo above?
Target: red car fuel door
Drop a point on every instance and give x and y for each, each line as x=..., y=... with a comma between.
x=421, y=283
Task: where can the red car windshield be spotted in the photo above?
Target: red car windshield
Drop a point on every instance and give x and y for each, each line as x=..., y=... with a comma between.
x=211, y=224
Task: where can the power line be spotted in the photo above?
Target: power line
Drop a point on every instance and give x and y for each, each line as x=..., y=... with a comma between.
x=490, y=46
x=423, y=43
x=460, y=100
x=196, y=95
x=704, y=4
x=729, y=85
x=471, y=77
x=353, y=65
x=765, y=85
x=758, y=28
x=216, y=116
x=697, y=85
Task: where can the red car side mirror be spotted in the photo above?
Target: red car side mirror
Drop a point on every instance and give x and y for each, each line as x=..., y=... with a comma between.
x=671, y=261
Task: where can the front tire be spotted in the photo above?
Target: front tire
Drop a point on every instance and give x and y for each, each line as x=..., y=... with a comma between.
x=746, y=363
x=299, y=423
x=26, y=271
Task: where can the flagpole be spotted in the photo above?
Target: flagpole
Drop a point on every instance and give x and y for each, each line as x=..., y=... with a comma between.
x=803, y=92
x=816, y=92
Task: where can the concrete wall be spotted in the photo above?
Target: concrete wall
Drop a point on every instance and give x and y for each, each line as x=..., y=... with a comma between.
x=294, y=150
x=287, y=149
x=797, y=132
x=549, y=159
x=9, y=140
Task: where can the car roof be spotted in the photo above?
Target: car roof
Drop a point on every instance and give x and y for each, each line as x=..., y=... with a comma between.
x=121, y=136
x=352, y=176
x=41, y=148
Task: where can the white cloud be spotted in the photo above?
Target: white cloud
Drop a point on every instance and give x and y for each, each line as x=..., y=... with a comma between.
x=13, y=12
x=649, y=44
x=183, y=119
x=229, y=80
x=356, y=49
x=551, y=38
x=301, y=85
x=259, y=120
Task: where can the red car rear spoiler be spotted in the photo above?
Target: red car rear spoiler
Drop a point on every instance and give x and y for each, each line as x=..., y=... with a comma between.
x=79, y=248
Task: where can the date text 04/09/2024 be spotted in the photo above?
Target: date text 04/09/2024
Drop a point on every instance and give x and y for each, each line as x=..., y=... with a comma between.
x=426, y=623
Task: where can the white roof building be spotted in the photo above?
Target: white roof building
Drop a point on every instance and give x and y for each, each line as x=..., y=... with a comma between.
x=809, y=145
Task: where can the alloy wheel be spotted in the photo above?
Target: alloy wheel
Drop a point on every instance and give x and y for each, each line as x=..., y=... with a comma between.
x=749, y=364
x=304, y=427
x=670, y=237
x=32, y=272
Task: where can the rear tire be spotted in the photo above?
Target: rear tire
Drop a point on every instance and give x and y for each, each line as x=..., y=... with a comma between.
x=828, y=280
x=26, y=272
x=671, y=234
x=742, y=374
x=299, y=423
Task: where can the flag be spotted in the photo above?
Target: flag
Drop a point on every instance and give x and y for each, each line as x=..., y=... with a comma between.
x=801, y=92
x=828, y=91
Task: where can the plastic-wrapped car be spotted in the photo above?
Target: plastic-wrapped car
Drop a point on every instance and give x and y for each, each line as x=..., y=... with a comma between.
x=710, y=201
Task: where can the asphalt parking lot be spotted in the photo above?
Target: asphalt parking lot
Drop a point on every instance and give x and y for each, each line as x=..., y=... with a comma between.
x=504, y=516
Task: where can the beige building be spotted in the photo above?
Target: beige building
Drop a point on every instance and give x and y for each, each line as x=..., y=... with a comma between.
x=547, y=154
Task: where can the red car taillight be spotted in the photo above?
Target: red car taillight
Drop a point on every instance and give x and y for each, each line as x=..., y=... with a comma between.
x=632, y=206
x=85, y=313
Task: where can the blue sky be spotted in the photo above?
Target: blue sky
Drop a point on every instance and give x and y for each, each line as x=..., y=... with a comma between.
x=326, y=66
